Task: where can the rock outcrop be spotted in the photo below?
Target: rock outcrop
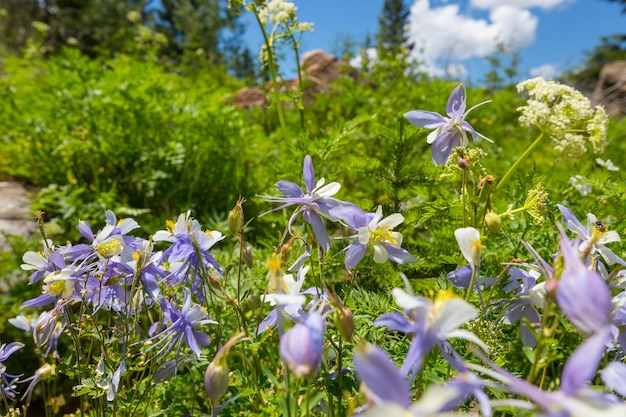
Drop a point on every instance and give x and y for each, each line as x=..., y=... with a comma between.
x=318, y=70
x=15, y=215
x=611, y=88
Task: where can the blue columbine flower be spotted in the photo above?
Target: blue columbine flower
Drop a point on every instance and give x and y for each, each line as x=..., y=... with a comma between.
x=316, y=203
x=373, y=229
x=389, y=391
x=7, y=380
x=189, y=252
x=182, y=326
x=450, y=132
x=593, y=237
x=431, y=324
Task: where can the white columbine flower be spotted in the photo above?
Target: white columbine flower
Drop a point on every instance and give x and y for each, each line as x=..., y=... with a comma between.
x=379, y=233
x=469, y=242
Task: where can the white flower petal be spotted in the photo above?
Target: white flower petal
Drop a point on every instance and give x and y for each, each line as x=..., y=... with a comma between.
x=469, y=242
x=453, y=315
x=608, y=237
x=364, y=235
x=380, y=254
x=328, y=190
x=406, y=300
x=432, y=136
x=392, y=220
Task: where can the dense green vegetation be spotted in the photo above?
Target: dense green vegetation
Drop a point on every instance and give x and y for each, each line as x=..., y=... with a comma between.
x=148, y=130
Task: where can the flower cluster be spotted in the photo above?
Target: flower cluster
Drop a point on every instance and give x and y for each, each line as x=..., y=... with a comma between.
x=154, y=301
x=565, y=114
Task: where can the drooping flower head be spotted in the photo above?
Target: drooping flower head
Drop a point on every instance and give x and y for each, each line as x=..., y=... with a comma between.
x=582, y=294
x=450, y=132
x=301, y=347
x=7, y=380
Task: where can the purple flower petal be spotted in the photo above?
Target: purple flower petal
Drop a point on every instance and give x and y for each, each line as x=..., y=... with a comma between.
x=319, y=230
x=289, y=189
x=394, y=321
x=583, y=295
x=309, y=174
x=570, y=220
x=85, y=230
x=354, y=254
x=399, y=255
x=456, y=101
x=376, y=370
x=443, y=145
x=614, y=376
x=461, y=277
x=8, y=350
x=425, y=119
x=583, y=364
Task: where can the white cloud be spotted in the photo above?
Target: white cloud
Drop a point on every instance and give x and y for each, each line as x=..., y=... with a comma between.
x=547, y=71
x=444, y=34
x=522, y=4
x=371, y=54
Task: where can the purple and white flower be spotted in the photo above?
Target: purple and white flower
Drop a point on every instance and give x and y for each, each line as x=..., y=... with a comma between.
x=450, y=132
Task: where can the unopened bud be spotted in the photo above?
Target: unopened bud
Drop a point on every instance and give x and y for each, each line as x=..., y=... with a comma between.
x=285, y=251
x=462, y=162
x=494, y=222
x=552, y=284
x=216, y=375
x=235, y=218
x=343, y=319
x=44, y=327
x=247, y=254
x=301, y=346
x=216, y=380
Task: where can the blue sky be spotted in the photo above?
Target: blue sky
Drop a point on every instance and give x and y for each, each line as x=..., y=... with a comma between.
x=551, y=35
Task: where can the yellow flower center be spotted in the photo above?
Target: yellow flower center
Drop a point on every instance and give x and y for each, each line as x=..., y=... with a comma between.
x=56, y=288
x=109, y=247
x=169, y=225
x=383, y=234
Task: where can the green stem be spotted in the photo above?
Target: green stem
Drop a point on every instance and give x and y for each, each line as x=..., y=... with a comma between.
x=273, y=73
x=519, y=160
x=470, y=289
x=299, y=103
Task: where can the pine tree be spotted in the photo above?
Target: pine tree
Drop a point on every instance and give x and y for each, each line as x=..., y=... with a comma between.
x=392, y=23
x=198, y=28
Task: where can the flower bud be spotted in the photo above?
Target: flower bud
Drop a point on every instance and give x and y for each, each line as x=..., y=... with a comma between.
x=44, y=327
x=301, y=346
x=285, y=251
x=216, y=375
x=552, y=284
x=343, y=319
x=235, y=218
x=216, y=379
x=494, y=222
x=247, y=254
x=462, y=162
